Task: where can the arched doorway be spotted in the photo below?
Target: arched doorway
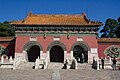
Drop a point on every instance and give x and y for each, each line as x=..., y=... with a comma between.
x=32, y=50
x=33, y=53
x=56, y=54
x=80, y=54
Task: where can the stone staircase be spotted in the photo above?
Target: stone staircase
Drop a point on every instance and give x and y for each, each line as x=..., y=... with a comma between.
x=53, y=65
x=107, y=64
x=86, y=66
x=26, y=65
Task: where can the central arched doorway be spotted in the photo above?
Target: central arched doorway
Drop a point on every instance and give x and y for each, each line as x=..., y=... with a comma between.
x=80, y=54
x=56, y=54
x=33, y=53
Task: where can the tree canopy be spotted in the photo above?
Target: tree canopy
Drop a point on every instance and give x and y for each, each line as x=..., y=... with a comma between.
x=111, y=28
x=6, y=29
x=118, y=28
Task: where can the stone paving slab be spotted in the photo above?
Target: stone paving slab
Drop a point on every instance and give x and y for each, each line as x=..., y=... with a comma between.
x=62, y=74
x=56, y=75
x=90, y=75
x=7, y=74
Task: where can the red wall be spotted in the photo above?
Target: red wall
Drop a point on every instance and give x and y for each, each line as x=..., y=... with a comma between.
x=22, y=40
x=17, y=44
x=103, y=46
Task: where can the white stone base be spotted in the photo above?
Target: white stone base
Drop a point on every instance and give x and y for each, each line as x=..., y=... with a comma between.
x=6, y=65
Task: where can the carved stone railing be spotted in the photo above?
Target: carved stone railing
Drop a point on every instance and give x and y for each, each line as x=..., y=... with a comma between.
x=45, y=63
x=41, y=63
x=6, y=63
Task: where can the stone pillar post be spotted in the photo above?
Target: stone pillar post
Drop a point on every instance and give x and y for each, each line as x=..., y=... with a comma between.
x=65, y=53
x=2, y=59
x=37, y=63
x=48, y=56
x=25, y=55
x=97, y=64
x=41, y=54
x=46, y=64
x=10, y=60
x=76, y=64
x=71, y=53
x=110, y=60
x=89, y=57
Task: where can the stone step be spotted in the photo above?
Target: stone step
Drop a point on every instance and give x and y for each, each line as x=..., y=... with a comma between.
x=55, y=65
x=61, y=65
x=84, y=66
x=26, y=65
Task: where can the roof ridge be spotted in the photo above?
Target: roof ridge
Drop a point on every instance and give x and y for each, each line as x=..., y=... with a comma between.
x=55, y=15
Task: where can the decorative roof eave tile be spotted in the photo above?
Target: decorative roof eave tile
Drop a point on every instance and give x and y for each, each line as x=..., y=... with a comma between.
x=6, y=39
x=90, y=25
x=108, y=40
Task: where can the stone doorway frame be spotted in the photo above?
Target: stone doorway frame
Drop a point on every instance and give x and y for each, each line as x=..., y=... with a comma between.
x=56, y=43
x=27, y=47
x=82, y=44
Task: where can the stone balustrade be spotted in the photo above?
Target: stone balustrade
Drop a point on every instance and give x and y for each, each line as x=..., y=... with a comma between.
x=6, y=63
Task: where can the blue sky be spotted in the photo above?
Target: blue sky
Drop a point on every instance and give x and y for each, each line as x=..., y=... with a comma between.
x=98, y=10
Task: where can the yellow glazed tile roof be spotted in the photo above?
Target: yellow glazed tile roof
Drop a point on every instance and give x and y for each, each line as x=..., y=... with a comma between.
x=109, y=40
x=6, y=39
x=48, y=19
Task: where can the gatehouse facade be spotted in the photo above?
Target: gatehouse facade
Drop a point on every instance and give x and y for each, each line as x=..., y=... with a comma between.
x=51, y=41
x=56, y=38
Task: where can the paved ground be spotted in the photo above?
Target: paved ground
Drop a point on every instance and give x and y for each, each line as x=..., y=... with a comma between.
x=7, y=74
x=90, y=75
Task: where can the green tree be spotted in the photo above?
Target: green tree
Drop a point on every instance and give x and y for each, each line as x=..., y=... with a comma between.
x=6, y=29
x=109, y=30
x=118, y=29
